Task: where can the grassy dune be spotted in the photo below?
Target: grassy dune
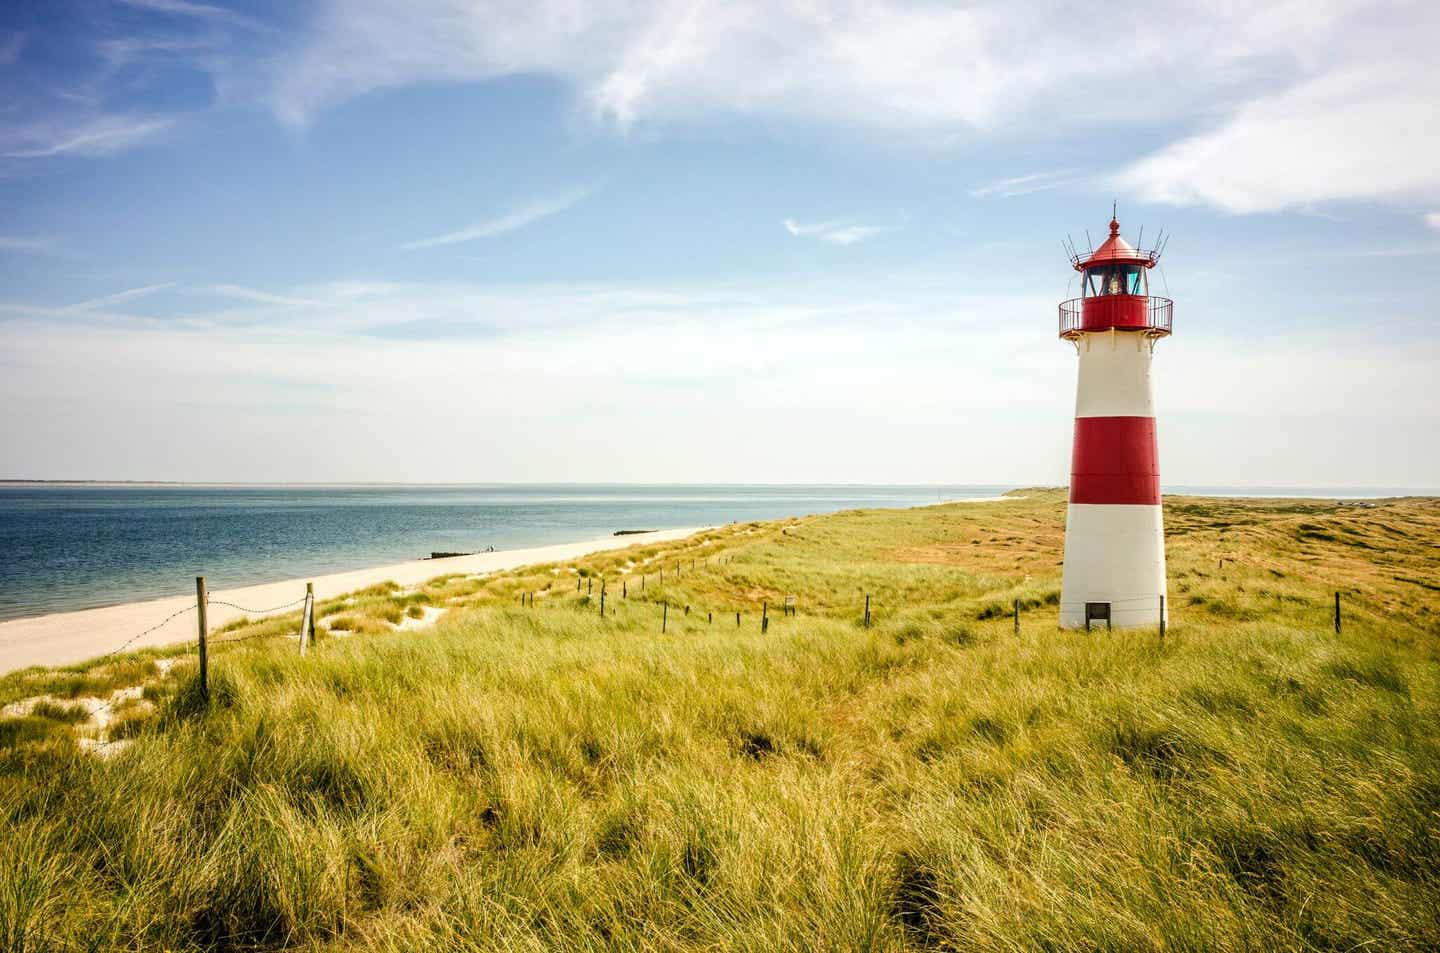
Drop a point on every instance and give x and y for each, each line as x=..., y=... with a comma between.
x=537, y=778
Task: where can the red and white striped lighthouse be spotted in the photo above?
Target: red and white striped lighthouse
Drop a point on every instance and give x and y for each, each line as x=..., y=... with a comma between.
x=1114, y=533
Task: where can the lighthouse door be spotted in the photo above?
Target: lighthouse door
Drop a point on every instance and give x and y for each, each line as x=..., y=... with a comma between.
x=1095, y=612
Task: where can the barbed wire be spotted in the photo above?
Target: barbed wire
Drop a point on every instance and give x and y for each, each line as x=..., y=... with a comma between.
x=231, y=605
x=247, y=638
x=130, y=641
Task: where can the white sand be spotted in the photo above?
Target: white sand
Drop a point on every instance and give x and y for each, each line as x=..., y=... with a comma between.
x=64, y=638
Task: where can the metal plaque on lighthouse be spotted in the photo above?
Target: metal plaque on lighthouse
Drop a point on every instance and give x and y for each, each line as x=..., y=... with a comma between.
x=1114, y=531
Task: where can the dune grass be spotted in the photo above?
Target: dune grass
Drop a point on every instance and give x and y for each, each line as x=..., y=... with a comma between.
x=546, y=778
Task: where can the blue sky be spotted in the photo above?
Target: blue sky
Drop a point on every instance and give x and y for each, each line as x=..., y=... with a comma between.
x=702, y=241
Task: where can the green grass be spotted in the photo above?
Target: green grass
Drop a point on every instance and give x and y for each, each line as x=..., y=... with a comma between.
x=545, y=778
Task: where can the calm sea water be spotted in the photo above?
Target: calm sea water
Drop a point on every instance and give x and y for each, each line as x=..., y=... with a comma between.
x=75, y=547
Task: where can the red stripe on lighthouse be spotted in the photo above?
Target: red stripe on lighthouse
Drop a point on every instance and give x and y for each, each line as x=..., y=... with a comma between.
x=1115, y=461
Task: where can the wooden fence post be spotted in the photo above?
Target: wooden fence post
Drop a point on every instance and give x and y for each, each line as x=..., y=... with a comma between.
x=664, y=617
x=602, y=602
x=1162, y=617
x=202, y=601
x=764, y=617
x=1017, y=616
x=624, y=589
x=1337, y=613
x=737, y=620
x=867, y=610
x=307, y=618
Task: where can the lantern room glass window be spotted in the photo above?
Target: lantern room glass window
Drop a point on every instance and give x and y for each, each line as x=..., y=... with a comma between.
x=1114, y=280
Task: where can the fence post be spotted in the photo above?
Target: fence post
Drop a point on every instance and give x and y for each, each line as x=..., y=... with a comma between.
x=664, y=617
x=764, y=617
x=709, y=618
x=1017, y=616
x=1162, y=617
x=602, y=602
x=577, y=583
x=1337, y=613
x=867, y=610
x=624, y=589
x=307, y=617
x=589, y=585
x=737, y=620
x=202, y=601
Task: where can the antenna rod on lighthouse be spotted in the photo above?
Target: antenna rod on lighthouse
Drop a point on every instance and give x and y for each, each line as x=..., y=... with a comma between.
x=1089, y=242
x=1140, y=239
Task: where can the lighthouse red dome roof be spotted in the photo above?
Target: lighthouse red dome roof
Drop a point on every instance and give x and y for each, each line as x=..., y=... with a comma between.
x=1116, y=251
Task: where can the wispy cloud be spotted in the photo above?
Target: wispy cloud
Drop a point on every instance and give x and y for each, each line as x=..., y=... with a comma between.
x=240, y=292
x=10, y=47
x=103, y=136
x=199, y=11
x=509, y=222
x=119, y=297
x=26, y=245
x=834, y=233
x=1433, y=220
x=1025, y=184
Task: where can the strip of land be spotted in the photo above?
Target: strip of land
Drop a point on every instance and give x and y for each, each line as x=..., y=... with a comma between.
x=64, y=638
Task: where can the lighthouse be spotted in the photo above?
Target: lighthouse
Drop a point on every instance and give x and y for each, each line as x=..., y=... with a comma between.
x=1114, y=572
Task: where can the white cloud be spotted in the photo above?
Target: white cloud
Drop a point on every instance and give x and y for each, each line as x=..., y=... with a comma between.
x=1364, y=133
x=402, y=368
x=1302, y=101
x=890, y=63
x=100, y=136
x=509, y=222
x=834, y=233
x=1433, y=220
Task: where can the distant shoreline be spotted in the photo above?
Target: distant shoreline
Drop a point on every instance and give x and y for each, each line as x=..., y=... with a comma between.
x=1258, y=492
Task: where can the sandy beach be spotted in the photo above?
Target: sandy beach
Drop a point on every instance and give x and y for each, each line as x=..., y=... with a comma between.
x=64, y=638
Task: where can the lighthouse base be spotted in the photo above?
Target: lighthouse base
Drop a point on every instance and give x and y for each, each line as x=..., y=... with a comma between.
x=1114, y=557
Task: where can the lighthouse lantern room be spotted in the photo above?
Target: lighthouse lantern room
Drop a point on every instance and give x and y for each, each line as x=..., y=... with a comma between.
x=1114, y=571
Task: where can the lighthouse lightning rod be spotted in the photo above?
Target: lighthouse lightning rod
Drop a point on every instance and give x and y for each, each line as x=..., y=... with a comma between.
x=1140, y=239
x=1089, y=242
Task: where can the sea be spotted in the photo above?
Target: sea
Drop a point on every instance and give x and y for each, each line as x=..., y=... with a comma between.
x=79, y=546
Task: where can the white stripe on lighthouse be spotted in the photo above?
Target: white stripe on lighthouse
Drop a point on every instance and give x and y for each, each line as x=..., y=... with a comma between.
x=1114, y=376
x=1114, y=553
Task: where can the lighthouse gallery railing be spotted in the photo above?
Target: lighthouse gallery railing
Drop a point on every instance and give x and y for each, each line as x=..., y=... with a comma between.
x=1122, y=312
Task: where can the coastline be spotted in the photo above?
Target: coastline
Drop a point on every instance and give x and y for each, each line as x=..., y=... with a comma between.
x=66, y=638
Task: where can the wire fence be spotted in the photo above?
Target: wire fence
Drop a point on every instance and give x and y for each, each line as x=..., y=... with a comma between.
x=586, y=583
